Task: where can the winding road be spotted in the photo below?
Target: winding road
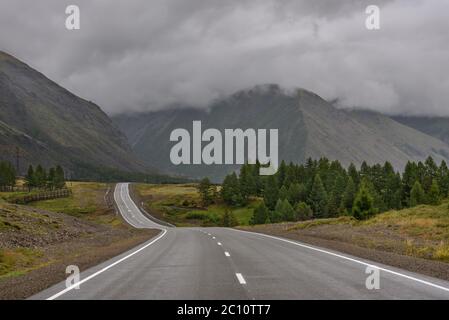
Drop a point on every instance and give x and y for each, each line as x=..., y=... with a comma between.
x=224, y=263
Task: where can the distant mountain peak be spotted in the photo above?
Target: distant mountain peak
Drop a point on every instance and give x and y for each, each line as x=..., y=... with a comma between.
x=308, y=126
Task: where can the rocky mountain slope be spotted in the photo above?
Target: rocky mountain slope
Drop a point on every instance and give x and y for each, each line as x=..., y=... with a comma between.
x=308, y=126
x=47, y=124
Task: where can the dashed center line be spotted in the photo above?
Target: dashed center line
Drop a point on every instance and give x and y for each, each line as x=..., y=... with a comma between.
x=213, y=237
x=240, y=278
x=219, y=243
x=227, y=254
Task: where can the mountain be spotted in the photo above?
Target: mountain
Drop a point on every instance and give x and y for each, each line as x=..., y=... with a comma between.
x=437, y=127
x=308, y=126
x=44, y=123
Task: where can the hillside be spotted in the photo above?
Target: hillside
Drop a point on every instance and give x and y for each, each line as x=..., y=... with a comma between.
x=50, y=125
x=437, y=127
x=308, y=126
x=38, y=242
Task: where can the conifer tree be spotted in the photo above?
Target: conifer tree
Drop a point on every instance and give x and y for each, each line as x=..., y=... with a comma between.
x=287, y=213
x=205, y=191
x=283, y=193
x=434, y=197
x=59, y=177
x=318, y=198
x=303, y=211
x=349, y=196
x=417, y=195
x=363, y=207
x=230, y=191
x=29, y=178
x=296, y=193
x=260, y=214
x=271, y=192
x=229, y=219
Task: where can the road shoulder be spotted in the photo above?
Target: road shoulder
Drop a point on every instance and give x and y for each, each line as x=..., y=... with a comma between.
x=430, y=268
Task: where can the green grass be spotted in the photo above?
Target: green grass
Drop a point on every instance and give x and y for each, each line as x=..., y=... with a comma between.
x=7, y=196
x=85, y=199
x=17, y=261
x=68, y=205
x=180, y=204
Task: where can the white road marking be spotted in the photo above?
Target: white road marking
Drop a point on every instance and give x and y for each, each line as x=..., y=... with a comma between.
x=209, y=234
x=349, y=259
x=219, y=243
x=227, y=254
x=120, y=204
x=105, y=268
x=240, y=278
x=213, y=237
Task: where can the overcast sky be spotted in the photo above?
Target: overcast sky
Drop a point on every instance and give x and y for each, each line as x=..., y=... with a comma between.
x=145, y=54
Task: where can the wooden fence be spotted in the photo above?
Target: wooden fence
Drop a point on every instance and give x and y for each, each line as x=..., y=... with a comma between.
x=14, y=189
x=45, y=195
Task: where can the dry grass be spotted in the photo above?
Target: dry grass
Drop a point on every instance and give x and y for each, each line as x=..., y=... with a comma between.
x=421, y=232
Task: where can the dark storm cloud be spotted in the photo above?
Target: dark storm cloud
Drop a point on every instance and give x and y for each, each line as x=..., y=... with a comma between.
x=140, y=54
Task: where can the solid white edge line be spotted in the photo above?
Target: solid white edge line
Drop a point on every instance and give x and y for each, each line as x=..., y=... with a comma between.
x=240, y=278
x=105, y=268
x=119, y=189
x=227, y=254
x=349, y=259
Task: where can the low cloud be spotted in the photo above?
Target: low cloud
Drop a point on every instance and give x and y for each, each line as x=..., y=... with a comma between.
x=144, y=55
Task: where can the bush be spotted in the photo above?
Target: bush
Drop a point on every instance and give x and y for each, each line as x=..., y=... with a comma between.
x=303, y=211
x=229, y=219
x=197, y=216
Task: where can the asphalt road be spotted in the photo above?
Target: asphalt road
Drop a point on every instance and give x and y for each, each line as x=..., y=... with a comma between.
x=222, y=263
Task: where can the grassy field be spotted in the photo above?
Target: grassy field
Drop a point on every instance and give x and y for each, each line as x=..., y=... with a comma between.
x=180, y=205
x=87, y=201
x=421, y=232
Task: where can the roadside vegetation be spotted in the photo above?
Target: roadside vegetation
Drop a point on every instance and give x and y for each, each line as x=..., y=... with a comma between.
x=182, y=205
x=88, y=200
x=318, y=189
x=373, y=207
x=325, y=189
x=421, y=231
x=38, y=240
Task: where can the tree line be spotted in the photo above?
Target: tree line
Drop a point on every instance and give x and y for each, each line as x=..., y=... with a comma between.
x=40, y=178
x=323, y=188
x=7, y=175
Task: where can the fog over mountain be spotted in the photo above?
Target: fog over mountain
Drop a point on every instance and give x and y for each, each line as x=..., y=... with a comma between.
x=144, y=55
x=308, y=126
